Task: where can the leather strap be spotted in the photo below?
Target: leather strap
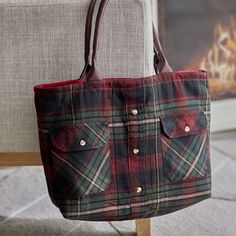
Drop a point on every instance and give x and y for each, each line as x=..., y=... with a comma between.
x=160, y=61
x=88, y=29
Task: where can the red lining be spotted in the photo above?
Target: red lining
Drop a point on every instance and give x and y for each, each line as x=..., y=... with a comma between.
x=58, y=84
x=69, y=82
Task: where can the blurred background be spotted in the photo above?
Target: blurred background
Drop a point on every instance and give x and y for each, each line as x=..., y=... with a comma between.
x=202, y=34
x=41, y=41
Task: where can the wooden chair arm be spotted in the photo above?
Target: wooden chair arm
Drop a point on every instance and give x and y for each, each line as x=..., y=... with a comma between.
x=20, y=159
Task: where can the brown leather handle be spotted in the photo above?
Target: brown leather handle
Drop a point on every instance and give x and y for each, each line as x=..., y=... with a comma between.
x=88, y=29
x=101, y=11
x=160, y=62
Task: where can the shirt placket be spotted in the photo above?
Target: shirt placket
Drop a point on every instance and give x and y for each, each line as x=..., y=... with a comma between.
x=136, y=147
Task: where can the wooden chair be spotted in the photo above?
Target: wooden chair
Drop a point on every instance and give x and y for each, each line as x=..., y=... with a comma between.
x=143, y=226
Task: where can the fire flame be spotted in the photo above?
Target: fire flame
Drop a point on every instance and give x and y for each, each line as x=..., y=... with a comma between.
x=220, y=61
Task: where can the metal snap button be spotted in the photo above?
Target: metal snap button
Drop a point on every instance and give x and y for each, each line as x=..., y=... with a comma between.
x=187, y=129
x=135, y=151
x=82, y=142
x=139, y=190
x=134, y=112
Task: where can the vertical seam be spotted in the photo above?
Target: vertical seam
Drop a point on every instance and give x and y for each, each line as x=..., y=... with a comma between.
x=72, y=104
x=156, y=154
x=128, y=150
x=207, y=100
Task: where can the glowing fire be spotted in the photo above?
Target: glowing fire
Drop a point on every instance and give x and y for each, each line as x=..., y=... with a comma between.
x=220, y=60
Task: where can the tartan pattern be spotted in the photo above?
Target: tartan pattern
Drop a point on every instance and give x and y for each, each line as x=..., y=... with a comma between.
x=67, y=137
x=172, y=167
x=184, y=153
x=81, y=170
x=185, y=157
x=174, y=125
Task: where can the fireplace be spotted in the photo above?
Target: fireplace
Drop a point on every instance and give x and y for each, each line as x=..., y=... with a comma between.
x=202, y=34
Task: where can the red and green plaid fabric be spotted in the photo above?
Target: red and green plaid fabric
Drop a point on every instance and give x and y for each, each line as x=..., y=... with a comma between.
x=119, y=149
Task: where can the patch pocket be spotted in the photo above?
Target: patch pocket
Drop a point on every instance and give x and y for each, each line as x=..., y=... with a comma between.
x=185, y=145
x=81, y=158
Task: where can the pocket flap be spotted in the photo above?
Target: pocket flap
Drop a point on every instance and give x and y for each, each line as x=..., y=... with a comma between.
x=79, y=136
x=184, y=123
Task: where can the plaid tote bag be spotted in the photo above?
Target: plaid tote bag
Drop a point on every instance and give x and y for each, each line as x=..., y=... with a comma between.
x=125, y=148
